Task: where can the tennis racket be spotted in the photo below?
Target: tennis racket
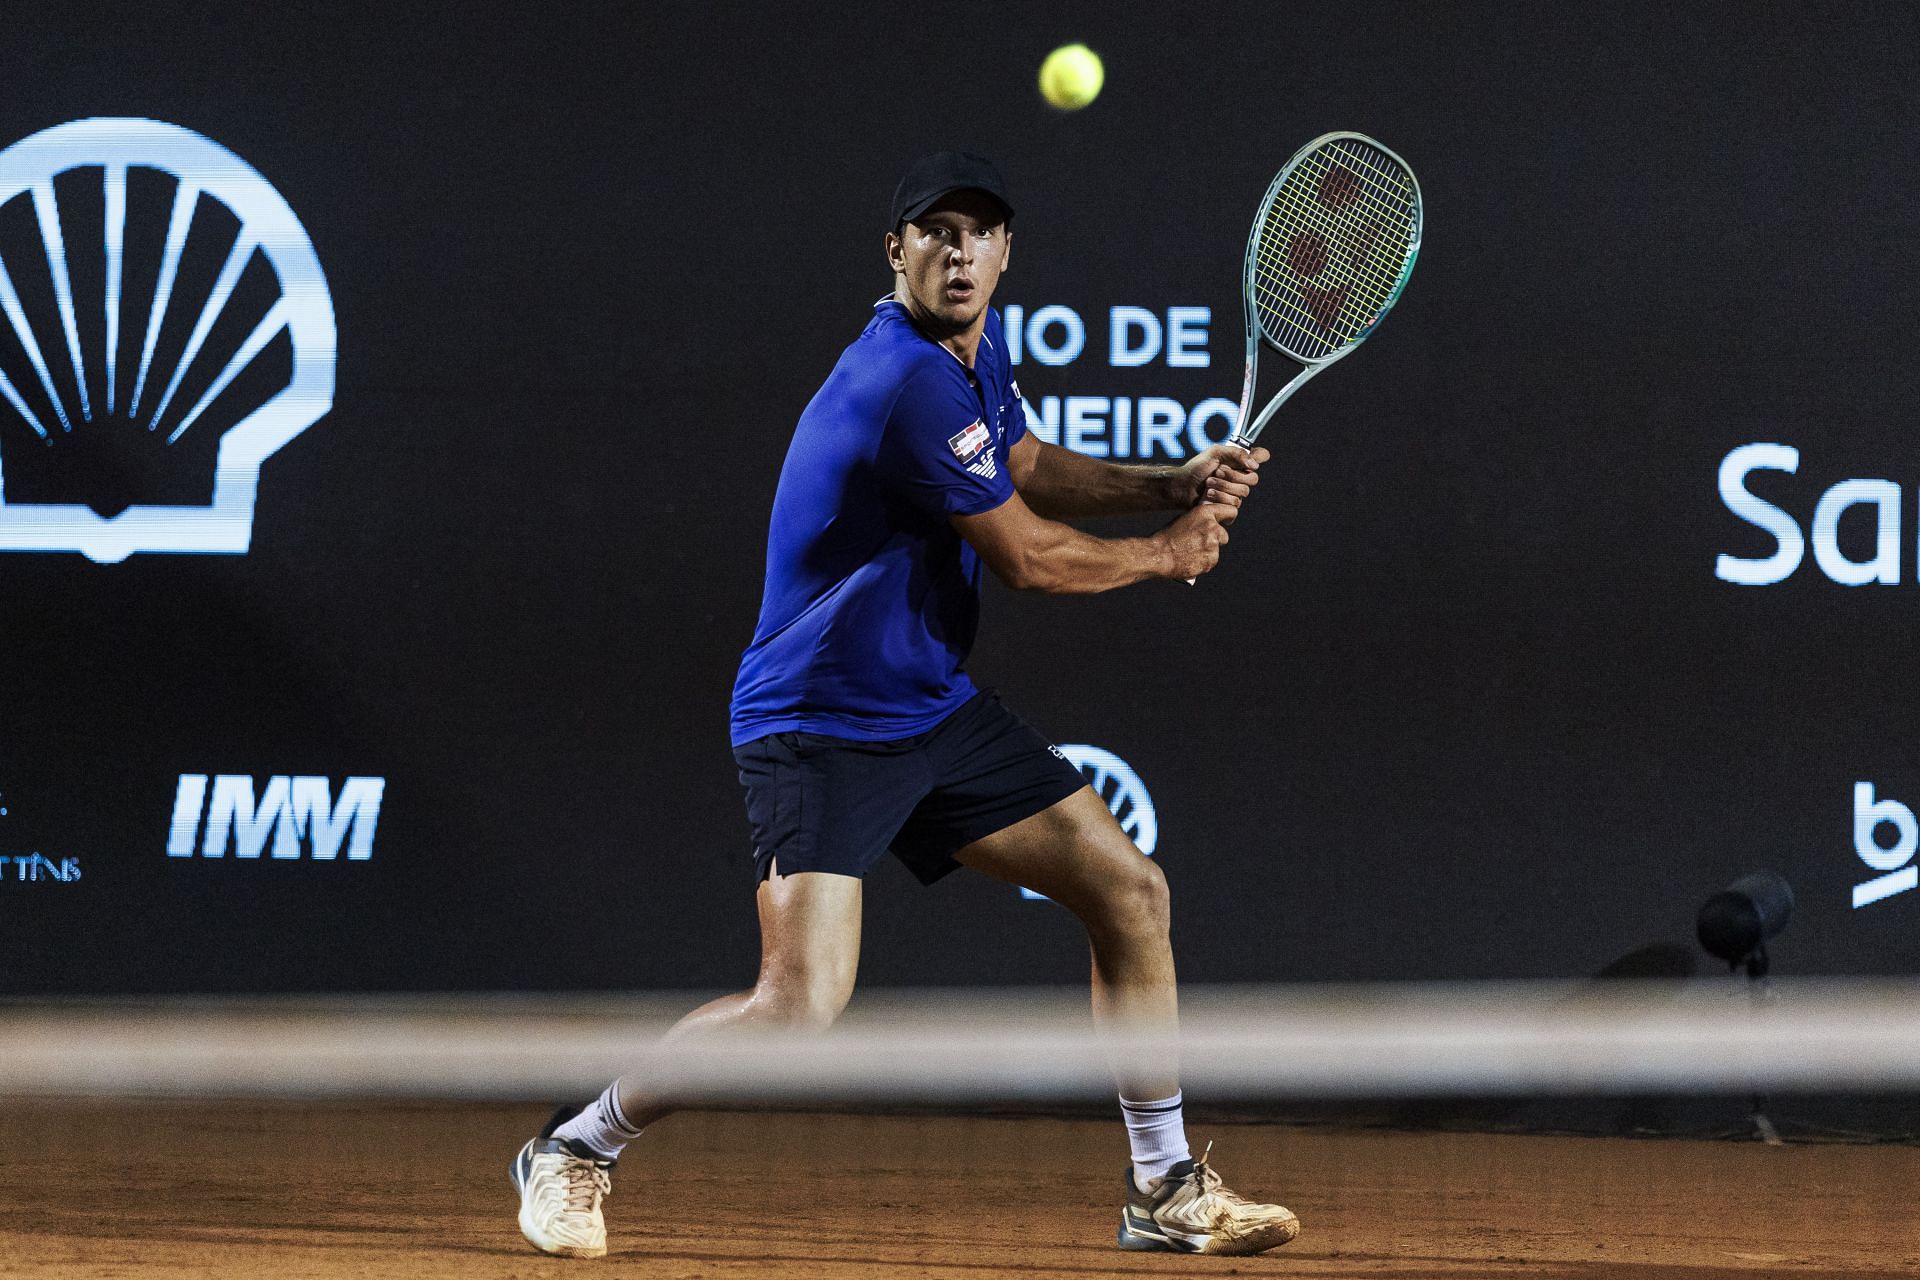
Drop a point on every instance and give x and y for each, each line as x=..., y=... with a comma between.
x=1331, y=249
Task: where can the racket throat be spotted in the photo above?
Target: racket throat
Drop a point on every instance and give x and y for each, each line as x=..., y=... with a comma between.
x=1239, y=435
x=1248, y=433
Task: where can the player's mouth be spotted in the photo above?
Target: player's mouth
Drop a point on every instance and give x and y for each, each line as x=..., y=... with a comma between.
x=960, y=290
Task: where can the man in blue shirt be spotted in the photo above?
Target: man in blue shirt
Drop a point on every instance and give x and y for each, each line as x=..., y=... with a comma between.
x=858, y=733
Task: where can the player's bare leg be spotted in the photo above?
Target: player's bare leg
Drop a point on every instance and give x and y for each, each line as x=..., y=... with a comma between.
x=809, y=954
x=1076, y=854
x=809, y=957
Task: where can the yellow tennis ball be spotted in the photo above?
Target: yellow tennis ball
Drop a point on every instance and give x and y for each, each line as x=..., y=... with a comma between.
x=1071, y=77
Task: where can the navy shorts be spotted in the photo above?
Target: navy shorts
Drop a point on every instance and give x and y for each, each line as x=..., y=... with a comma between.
x=820, y=803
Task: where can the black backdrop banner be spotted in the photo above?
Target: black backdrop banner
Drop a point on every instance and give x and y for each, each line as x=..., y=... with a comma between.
x=1527, y=646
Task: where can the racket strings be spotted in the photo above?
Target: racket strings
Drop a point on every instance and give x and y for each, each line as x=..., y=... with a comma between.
x=1322, y=279
x=1372, y=198
x=1372, y=191
x=1332, y=248
x=1321, y=266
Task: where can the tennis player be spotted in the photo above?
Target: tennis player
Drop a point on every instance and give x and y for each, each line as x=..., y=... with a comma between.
x=857, y=731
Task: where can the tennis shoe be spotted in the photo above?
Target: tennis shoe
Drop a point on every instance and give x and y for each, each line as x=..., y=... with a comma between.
x=561, y=1185
x=1192, y=1211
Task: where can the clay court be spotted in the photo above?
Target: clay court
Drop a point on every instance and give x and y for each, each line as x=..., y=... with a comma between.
x=283, y=1191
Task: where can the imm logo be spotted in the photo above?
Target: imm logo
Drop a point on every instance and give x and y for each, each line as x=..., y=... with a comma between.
x=1117, y=784
x=287, y=812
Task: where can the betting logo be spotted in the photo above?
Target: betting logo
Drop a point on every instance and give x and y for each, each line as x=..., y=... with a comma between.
x=1116, y=783
x=167, y=329
x=1893, y=861
x=36, y=867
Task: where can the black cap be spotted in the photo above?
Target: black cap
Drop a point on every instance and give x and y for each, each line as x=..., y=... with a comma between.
x=936, y=175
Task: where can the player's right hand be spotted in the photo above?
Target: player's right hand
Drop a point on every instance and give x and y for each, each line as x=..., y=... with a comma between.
x=1196, y=537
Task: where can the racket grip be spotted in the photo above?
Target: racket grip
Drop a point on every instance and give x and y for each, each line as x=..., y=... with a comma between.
x=1244, y=443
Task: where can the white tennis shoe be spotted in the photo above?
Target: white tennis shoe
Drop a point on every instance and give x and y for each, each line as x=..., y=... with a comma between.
x=1192, y=1211
x=561, y=1186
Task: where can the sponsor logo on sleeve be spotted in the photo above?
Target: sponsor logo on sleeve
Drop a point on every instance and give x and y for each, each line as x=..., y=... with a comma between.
x=967, y=445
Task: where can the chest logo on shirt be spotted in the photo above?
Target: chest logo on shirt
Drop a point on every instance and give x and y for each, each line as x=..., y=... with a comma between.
x=967, y=445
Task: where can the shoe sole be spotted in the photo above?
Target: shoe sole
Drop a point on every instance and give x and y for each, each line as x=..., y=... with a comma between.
x=544, y=1245
x=1255, y=1242
x=1135, y=1239
x=1139, y=1242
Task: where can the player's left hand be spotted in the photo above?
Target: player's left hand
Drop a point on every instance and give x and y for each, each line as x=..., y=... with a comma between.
x=1221, y=473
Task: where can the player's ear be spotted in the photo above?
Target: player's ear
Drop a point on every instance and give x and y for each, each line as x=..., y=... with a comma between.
x=1006, y=247
x=896, y=252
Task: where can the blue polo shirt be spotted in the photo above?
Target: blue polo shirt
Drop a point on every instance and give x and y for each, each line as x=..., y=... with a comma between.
x=872, y=599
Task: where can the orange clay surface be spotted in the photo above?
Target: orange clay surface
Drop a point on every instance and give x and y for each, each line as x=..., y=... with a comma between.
x=332, y=1190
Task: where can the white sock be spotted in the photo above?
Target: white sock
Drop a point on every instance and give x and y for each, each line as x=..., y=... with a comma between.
x=601, y=1127
x=1158, y=1133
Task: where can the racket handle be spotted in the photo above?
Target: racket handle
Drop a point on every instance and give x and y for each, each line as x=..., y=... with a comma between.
x=1245, y=443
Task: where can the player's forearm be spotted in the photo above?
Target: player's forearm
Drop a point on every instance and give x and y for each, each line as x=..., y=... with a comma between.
x=1069, y=562
x=1065, y=485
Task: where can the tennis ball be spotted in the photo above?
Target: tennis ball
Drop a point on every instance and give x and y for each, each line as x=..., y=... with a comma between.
x=1071, y=77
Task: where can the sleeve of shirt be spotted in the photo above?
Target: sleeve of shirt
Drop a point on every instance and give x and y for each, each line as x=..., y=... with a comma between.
x=938, y=453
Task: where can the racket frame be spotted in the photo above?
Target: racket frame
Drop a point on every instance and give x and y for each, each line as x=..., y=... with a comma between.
x=1245, y=434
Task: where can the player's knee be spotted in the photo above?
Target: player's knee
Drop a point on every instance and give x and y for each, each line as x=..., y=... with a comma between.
x=1133, y=898
x=1152, y=900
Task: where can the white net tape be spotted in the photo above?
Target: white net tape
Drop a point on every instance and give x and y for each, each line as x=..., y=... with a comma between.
x=1374, y=1041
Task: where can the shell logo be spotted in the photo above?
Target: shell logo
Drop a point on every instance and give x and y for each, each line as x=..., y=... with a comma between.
x=1116, y=783
x=109, y=346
